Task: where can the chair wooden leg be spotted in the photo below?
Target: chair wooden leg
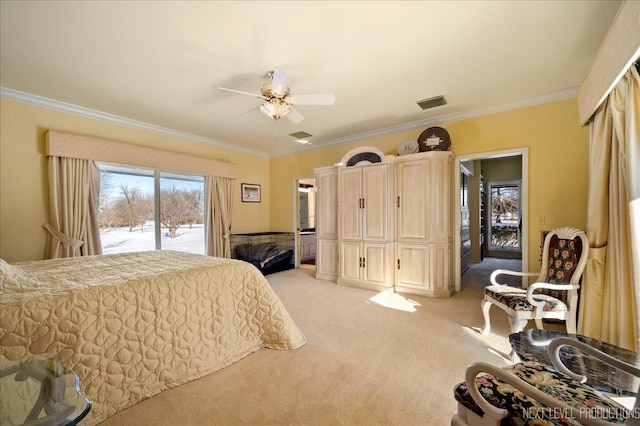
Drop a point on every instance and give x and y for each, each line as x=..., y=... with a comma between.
x=539, y=323
x=487, y=321
x=571, y=324
x=517, y=325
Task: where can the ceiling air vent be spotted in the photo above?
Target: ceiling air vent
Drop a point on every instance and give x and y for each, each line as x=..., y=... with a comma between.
x=301, y=135
x=432, y=102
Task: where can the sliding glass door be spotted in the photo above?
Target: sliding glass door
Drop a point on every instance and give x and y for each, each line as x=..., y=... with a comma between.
x=144, y=209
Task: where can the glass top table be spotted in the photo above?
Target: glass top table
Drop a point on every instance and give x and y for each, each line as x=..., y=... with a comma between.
x=40, y=390
x=533, y=345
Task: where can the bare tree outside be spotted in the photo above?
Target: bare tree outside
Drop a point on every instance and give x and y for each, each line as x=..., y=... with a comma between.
x=179, y=207
x=505, y=216
x=105, y=213
x=131, y=208
x=195, y=208
x=134, y=204
x=505, y=204
x=128, y=218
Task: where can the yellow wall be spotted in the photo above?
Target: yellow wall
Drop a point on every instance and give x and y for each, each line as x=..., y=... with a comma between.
x=558, y=154
x=558, y=162
x=23, y=173
x=500, y=169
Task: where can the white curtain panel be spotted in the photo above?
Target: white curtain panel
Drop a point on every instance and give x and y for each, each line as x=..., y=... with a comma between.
x=218, y=215
x=610, y=296
x=74, y=186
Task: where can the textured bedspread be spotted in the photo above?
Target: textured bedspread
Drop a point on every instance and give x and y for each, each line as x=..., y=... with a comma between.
x=132, y=325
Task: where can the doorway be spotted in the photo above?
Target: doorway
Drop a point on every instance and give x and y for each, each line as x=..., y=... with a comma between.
x=304, y=226
x=480, y=223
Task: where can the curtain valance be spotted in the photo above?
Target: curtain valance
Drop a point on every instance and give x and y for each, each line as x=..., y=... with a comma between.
x=620, y=47
x=84, y=147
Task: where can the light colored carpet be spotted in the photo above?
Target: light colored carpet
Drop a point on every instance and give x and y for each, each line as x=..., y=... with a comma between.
x=363, y=364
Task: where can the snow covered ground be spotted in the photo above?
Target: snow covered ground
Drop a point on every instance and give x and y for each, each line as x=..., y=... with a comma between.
x=121, y=240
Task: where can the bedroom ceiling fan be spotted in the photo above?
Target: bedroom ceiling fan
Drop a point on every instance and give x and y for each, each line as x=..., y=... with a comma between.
x=278, y=100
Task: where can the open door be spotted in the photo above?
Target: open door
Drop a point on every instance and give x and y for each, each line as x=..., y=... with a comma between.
x=304, y=222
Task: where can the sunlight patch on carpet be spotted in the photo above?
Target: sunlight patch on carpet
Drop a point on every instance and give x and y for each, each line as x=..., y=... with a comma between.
x=496, y=344
x=389, y=299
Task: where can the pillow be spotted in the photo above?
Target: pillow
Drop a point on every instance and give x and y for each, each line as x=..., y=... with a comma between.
x=13, y=277
x=260, y=252
x=7, y=272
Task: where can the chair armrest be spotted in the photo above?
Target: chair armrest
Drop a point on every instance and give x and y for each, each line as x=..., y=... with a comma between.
x=477, y=368
x=559, y=342
x=497, y=272
x=540, y=303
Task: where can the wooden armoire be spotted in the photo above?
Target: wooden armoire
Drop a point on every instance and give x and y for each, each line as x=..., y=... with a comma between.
x=385, y=222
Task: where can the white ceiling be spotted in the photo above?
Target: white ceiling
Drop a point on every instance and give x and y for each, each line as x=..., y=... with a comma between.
x=158, y=62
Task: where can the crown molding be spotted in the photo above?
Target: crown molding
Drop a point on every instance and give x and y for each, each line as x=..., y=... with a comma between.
x=114, y=119
x=559, y=95
x=39, y=101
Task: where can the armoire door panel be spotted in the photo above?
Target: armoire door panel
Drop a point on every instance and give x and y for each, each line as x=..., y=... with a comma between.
x=440, y=200
x=327, y=258
x=439, y=268
x=413, y=193
x=351, y=203
x=376, y=263
x=413, y=265
x=327, y=215
x=375, y=193
x=351, y=261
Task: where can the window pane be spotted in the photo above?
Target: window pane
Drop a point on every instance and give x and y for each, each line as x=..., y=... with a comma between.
x=505, y=217
x=126, y=210
x=505, y=202
x=182, y=212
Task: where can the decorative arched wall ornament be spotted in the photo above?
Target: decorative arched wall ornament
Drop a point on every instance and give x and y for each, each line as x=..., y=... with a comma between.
x=364, y=155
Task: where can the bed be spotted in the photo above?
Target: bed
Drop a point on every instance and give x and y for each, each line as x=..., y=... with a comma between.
x=134, y=324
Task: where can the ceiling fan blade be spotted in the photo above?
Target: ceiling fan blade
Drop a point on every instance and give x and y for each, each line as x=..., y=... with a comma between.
x=324, y=99
x=280, y=82
x=295, y=116
x=240, y=92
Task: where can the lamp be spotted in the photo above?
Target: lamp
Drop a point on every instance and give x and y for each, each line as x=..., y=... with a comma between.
x=275, y=108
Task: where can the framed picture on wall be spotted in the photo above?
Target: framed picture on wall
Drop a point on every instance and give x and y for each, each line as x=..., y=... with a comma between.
x=250, y=193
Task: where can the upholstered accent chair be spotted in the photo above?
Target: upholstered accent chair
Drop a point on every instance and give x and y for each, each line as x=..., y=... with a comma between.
x=531, y=393
x=555, y=292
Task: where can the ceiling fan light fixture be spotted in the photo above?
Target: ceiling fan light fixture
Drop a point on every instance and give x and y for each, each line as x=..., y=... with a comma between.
x=267, y=92
x=275, y=110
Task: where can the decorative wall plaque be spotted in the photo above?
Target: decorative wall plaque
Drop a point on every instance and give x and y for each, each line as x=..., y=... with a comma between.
x=434, y=139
